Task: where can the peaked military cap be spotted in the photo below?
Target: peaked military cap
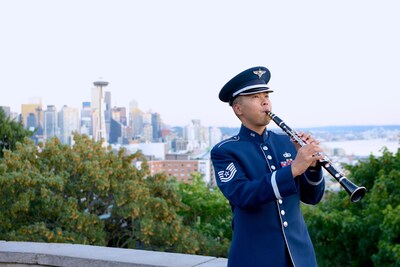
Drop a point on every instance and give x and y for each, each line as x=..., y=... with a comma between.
x=250, y=81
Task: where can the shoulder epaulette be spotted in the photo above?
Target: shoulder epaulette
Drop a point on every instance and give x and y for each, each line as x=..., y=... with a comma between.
x=232, y=139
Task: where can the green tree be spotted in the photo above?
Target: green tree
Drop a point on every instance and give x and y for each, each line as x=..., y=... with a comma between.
x=162, y=227
x=34, y=206
x=208, y=212
x=61, y=193
x=366, y=233
x=89, y=194
x=11, y=132
x=103, y=183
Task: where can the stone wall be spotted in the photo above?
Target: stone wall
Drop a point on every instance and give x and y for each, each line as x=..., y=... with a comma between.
x=31, y=254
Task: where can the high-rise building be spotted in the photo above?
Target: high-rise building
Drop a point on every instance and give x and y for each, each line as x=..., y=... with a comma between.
x=215, y=136
x=156, y=124
x=118, y=133
x=196, y=135
x=135, y=119
x=31, y=121
x=68, y=122
x=119, y=114
x=50, y=122
x=35, y=110
x=179, y=145
x=147, y=133
x=86, y=119
x=107, y=112
x=118, y=127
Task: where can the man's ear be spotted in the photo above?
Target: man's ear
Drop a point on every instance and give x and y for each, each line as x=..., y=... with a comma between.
x=237, y=108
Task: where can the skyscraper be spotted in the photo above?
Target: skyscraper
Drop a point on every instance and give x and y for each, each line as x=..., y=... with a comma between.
x=107, y=112
x=68, y=121
x=118, y=127
x=86, y=119
x=119, y=114
x=31, y=121
x=135, y=119
x=215, y=136
x=50, y=122
x=29, y=110
x=156, y=123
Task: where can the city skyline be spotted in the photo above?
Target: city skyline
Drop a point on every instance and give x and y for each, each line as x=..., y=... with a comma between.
x=45, y=106
x=331, y=63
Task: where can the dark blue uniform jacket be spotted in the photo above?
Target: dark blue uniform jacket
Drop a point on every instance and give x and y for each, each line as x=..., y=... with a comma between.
x=254, y=174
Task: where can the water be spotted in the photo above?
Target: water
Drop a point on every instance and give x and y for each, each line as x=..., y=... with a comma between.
x=362, y=147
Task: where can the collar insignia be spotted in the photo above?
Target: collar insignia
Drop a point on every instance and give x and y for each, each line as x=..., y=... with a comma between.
x=287, y=155
x=259, y=73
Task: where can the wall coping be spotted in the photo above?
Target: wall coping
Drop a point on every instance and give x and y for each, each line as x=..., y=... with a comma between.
x=60, y=254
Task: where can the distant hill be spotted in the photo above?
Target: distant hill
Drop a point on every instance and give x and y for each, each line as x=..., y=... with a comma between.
x=331, y=129
x=352, y=128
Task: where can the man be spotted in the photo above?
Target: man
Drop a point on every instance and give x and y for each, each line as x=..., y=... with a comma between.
x=265, y=176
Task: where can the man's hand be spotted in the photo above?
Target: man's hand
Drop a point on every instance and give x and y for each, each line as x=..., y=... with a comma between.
x=307, y=156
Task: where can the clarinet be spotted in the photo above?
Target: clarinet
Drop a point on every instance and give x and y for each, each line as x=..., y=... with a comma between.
x=356, y=192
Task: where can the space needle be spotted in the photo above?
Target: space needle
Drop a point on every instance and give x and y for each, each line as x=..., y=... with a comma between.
x=98, y=108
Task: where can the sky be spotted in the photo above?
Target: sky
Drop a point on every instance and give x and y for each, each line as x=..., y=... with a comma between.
x=332, y=63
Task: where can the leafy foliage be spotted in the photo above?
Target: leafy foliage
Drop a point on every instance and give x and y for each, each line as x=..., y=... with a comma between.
x=11, y=132
x=34, y=203
x=89, y=194
x=208, y=212
x=366, y=233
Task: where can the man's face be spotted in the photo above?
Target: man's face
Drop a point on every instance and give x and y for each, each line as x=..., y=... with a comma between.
x=252, y=109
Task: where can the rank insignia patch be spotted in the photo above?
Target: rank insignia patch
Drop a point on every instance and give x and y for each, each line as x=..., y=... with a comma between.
x=228, y=173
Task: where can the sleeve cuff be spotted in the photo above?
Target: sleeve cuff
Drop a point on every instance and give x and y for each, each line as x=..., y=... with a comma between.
x=282, y=183
x=314, y=175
